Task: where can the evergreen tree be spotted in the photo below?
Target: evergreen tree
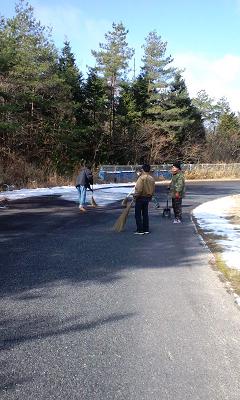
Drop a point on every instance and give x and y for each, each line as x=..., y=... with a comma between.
x=140, y=93
x=70, y=73
x=96, y=106
x=224, y=144
x=112, y=63
x=156, y=64
x=180, y=116
x=96, y=101
x=228, y=124
x=128, y=119
x=209, y=110
x=38, y=97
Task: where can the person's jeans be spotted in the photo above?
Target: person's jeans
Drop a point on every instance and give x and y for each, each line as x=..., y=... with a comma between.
x=177, y=208
x=82, y=195
x=141, y=214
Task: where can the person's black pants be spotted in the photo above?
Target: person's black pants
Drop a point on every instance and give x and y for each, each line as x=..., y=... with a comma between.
x=177, y=208
x=141, y=214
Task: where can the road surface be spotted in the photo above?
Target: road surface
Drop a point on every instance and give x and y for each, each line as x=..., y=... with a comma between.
x=90, y=314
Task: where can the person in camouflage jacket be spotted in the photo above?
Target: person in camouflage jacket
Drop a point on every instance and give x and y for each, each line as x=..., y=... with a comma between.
x=177, y=190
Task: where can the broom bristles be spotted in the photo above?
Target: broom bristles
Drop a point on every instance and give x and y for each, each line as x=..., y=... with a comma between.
x=125, y=202
x=121, y=221
x=93, y=202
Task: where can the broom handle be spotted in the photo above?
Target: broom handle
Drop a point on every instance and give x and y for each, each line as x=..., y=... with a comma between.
x=167, y=198
x=132, y=191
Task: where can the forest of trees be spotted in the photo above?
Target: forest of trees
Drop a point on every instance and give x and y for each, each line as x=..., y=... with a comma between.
x=53, y=118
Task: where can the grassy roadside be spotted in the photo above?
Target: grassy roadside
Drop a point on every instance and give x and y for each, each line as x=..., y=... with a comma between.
x=223, y=171
x=229, y=275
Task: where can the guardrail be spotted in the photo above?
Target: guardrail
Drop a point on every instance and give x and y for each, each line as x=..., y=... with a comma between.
x=127, y=173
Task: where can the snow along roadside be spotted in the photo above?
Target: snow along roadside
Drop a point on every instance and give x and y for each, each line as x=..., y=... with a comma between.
x=221, y=220
x=103, y=194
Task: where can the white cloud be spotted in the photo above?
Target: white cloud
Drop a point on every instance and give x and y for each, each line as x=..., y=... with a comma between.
x=220, y=77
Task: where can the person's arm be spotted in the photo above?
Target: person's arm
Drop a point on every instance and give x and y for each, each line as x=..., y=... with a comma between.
x=179, y=187
x=138, y=188
x=79, y=179
x=89, y=178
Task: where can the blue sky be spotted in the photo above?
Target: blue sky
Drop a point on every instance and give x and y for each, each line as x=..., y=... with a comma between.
x=202, y=36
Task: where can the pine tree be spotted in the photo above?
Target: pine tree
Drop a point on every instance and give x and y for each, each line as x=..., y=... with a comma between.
x=209, y=110
x=180, y=115
x=140, y=94
x=96, y=104
x=228, y=124
x=70, y=73
x=156, y=64
x=112, y=63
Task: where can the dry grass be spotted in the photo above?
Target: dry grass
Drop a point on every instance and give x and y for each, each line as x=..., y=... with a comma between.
x=20, y=174
x=231, y=275
x=215, y=171
x=213, y=175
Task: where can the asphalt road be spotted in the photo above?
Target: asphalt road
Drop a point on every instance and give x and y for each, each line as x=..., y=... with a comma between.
x=90, y=314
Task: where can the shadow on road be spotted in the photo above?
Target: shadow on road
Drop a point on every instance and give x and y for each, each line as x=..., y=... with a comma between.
x=23, y=329
x=45, y=240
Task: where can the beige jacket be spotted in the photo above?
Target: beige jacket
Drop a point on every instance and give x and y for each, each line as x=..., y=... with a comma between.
x=145, y=186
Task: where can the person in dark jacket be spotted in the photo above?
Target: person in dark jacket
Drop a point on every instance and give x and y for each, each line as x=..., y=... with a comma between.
x=83, y=182
x=177, y=190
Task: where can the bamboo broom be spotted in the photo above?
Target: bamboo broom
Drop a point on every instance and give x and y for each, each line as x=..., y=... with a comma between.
x=93, y=202
x=121, y=221
x=125, y=201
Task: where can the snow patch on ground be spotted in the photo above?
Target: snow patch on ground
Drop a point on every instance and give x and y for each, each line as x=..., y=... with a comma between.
x=103, y=194
x=213, y=217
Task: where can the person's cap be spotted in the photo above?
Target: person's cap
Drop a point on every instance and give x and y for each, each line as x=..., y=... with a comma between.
x=177, y=165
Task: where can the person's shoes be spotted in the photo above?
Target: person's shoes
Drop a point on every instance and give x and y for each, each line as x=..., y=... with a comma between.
x=138, y=233
x=146, y=233
x=81, y=208
x=177, y=221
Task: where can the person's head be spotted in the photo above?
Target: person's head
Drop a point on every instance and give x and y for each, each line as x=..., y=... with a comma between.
x=138, y=171
x=176, y=167
x=146, y=168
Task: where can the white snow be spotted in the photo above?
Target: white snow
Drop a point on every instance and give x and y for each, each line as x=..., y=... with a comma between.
x=103, y=194
x=213, y=217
